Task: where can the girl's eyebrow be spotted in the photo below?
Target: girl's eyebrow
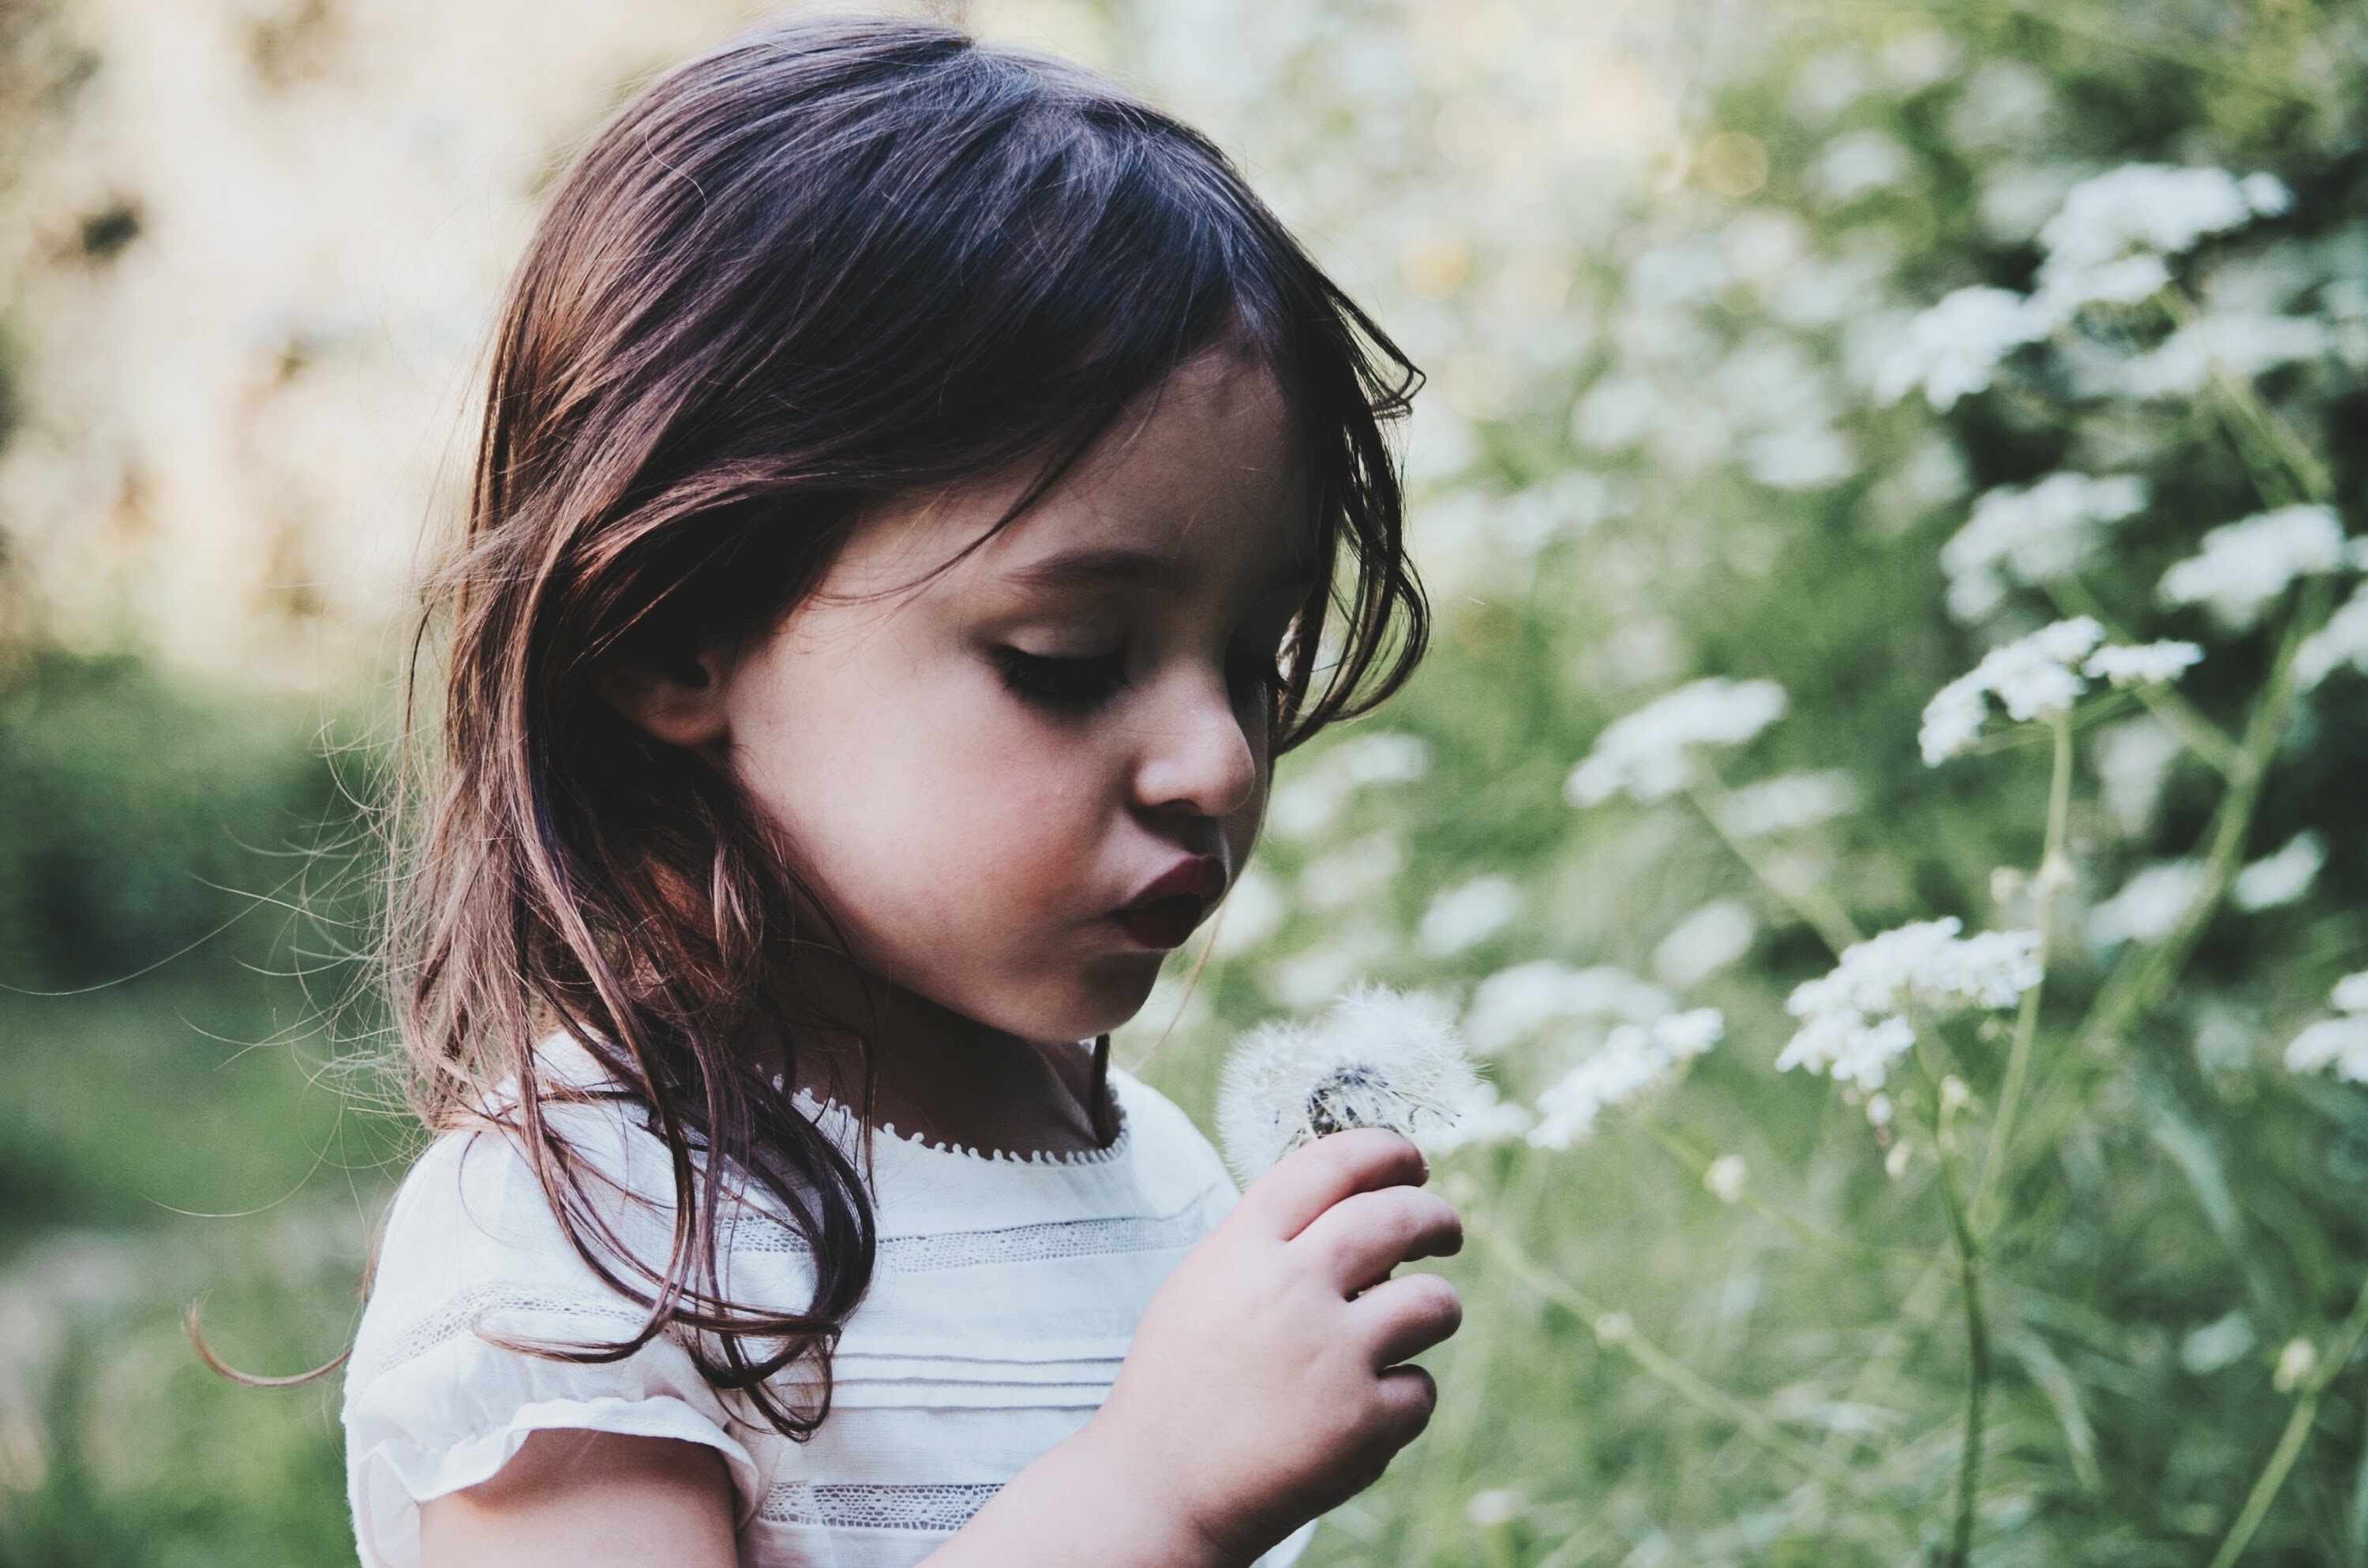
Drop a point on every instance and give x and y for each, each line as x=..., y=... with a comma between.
x=1094, y=565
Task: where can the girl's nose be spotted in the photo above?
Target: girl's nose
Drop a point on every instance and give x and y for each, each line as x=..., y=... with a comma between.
x=1197, y=756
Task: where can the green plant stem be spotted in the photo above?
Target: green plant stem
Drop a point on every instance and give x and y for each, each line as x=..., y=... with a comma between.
x=1969, y=1297
x=2186, y=721
x=2044, y=886
x=2297, y=1432
x=1666, y=1368
x=2138, y=982
x=1842, y=1247
x=1812, y=903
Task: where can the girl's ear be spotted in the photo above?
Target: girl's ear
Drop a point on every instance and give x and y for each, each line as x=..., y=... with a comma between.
x=680, y=702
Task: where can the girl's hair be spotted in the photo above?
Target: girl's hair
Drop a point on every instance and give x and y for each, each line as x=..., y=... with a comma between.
x=822, y=267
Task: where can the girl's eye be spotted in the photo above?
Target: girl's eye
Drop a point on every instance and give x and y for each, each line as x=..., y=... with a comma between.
x=1070, y=685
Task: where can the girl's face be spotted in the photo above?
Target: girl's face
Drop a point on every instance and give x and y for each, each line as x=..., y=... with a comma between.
x=1021, y=783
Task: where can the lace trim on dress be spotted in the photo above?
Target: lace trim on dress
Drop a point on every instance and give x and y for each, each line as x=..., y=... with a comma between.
x=467, y=1309
x=1016, y=1243
x=840, y=1122
x=938, y=1508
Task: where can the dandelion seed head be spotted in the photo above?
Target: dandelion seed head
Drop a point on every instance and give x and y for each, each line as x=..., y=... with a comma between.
x=1376, y=1059
x=2244, y=565
x=1647, y=755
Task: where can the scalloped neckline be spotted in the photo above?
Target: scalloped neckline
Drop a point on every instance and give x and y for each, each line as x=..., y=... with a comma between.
x=824, y=1110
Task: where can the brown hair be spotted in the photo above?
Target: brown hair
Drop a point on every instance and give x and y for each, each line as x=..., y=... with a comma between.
x=823, y=265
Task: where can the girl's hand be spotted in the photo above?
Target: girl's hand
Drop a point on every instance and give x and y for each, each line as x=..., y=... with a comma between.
x=1267, y=1381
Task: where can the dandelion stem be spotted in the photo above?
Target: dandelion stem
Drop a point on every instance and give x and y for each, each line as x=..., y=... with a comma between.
x=2297, y=1432
x=2026, y=1021
x=1668, y=1369
x=1811, y=902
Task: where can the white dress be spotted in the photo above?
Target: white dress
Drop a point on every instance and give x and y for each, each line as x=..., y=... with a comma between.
x=1004, y=1296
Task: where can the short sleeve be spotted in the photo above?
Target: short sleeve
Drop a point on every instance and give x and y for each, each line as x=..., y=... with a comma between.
x=472, y=1257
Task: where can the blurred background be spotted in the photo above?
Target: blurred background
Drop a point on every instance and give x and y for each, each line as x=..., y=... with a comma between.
x=1656, y=256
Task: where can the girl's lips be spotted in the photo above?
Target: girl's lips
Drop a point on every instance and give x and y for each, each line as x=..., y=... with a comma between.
x=1163, y=914
x=1163, y=924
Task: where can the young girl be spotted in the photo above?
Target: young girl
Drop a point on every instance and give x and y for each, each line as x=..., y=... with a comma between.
x=922, y=489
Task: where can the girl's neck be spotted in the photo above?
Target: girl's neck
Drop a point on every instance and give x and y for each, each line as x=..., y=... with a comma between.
x=938, y=1076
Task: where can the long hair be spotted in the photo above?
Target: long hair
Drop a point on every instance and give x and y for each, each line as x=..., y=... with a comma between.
x=823, y=265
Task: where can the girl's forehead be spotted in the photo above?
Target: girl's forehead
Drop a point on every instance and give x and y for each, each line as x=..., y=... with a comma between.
x=1204, y=477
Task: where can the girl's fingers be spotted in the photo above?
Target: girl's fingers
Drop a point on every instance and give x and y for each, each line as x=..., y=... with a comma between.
x=1406, y=1317
x=1407, y=1396
x=1306, y=1182
x=1366, y=1234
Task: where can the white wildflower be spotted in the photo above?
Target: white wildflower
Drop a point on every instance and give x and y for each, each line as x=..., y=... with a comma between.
x=2339, y=1042
x=1464, y=916
x=2143, y=664
x=1648, y=754
x=1377, y=1059
x=1953, y=347
x=1854, y=1020
x=1352, y=874
x=1880, y=1110
x=1483, y=1118
x=2280, y=878
x=1857, y=165
x=1513, y=1004
x=2111, y=233
x=2245, y=565
x=2342, y=641
x=2033, y=678
x=1788, y=802
x=2030, y=535
x=1252, y=911
x=1306, y=803
x=1633, y=1058
x=1496, y=1506
x=1896, y=1163
x=2220, y=1343
x=1725, y=1178
x=2238, y=346
x=2296, y=1363
x=2149, y=906
x=2134, y=761
x=1703, y=943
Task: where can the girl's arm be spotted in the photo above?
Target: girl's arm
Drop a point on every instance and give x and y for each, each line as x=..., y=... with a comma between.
x=1265, y=1385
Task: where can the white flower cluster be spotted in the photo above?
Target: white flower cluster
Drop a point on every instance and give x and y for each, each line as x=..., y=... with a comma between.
x=1633, y=1058
x=1515, y=1004
x=2032, y=535
x=2040, y=676
x=1648, y=754
x=2280, y=878
x=2108, y=244
x=1854, y=1021
x=2342, y=641
x=1314, y=796
x=1376, y=1059
x=1789, y=803
x=2245, y=565
x=2237, y=344
x=2339, y=1042
x=2149, y=906
x=2108, y=241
